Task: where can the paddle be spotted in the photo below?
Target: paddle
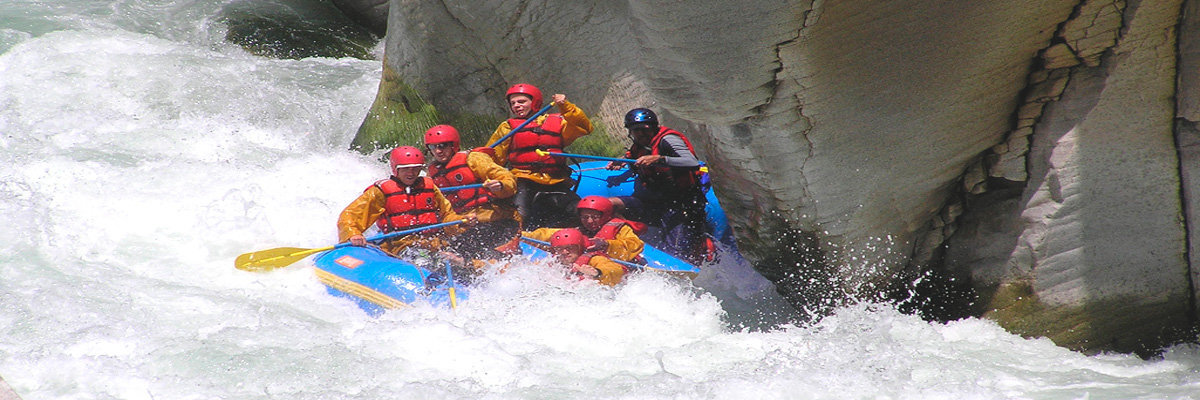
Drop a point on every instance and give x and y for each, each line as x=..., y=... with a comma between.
x=267, y=260
x=453, y=188
x=547, y=244
x=522, y=125
x=450, y=279
x=703, y=165
x=541, y=152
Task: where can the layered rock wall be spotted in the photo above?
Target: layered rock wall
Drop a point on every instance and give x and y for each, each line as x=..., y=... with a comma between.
x=1028, y=150
x=1097, y=230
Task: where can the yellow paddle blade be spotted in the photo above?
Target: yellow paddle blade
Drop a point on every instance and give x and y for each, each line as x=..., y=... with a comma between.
x=541, y=152
x=267, y=260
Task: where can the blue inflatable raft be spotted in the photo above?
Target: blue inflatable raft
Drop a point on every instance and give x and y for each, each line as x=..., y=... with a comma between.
x=377, y=281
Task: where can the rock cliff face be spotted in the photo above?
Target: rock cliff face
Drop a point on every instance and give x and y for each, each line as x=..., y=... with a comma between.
x=1035, y=162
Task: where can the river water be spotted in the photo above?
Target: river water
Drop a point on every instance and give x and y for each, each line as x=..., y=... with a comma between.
x=140, y=153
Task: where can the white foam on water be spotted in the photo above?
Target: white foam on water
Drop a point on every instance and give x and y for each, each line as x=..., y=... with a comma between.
x=140, y=158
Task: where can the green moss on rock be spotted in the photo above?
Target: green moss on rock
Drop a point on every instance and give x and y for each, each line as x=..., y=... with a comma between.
x=400, y=117
x=1124, y=324
x=598, y=143
x=397, y=117
x=473, y=128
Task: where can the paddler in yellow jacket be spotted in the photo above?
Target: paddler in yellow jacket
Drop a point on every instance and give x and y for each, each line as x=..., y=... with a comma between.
x=451, y=167
x=568, y=247
x=403, y=201
x=616, y=237
x=537, y=173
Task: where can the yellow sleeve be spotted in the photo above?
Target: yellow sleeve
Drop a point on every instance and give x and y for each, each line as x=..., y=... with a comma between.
x=626, y=246
x=577, y=123
x=611, y=273
x=357, y=217
x=486, y=168
x=542, y=234
x=501, y=149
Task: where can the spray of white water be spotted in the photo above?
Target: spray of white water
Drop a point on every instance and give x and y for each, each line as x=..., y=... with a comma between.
x=140, y=154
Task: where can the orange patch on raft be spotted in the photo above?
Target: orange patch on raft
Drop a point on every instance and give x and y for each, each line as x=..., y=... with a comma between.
x=348, y=262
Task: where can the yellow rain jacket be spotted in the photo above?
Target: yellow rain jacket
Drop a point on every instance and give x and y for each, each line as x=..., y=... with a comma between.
x=611, y=273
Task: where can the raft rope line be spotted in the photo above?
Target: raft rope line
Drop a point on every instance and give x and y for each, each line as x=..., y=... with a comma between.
x=357, y=289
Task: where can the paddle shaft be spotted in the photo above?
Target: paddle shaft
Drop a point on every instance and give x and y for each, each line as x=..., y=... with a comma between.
x=266, y=260
x=450, y=279
x=522, y=125
x=545, y=243
x=403, y=232
x=600, y=158
x=587, y=157
x=453, y=188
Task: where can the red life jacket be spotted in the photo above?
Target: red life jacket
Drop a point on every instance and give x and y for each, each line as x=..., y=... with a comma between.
x=663, y=177
x=546, y=136
x=405, y=209
x=456, y=172
x=613, y=226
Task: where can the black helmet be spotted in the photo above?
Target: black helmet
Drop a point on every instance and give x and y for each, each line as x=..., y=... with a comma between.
x=641, y=116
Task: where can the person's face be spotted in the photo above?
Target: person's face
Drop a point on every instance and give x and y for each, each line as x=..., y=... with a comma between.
x=642, y=136
x=408, y=175
x=591, y=220
x=567, y=254
x=442, y=152
x=520, y=105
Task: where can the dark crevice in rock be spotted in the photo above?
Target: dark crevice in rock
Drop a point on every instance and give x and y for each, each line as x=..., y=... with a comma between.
x=514, y=25
x=927, y=286
x=939, y=293
x=799, y=267
x=1081, y=53
x=1187, y=137
x=779, y=74
x=1187, y=134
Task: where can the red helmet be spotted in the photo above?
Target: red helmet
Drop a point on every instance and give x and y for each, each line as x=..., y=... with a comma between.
x=442, y=134
x=567, y=237
x=407, y=156
x=528, y=90
x=598, y=203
